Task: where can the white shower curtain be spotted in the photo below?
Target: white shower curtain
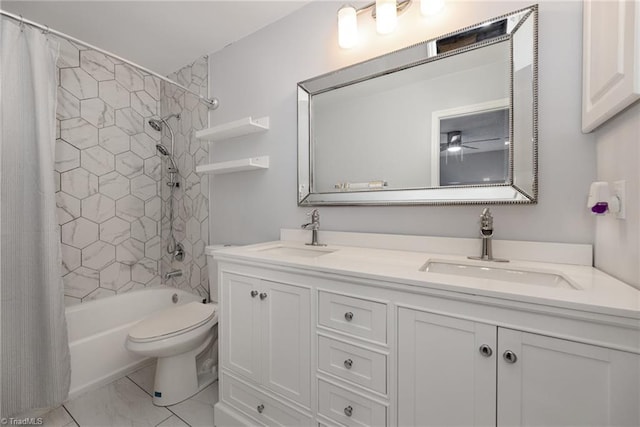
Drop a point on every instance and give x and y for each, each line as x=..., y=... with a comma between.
x=33, y=334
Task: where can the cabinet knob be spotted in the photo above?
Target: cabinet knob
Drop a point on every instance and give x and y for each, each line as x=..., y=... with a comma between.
x=263, y=295
x=485, y=350
x=254, y=294
x=348, y=363
x=510, y=357
x=260, y=408
x=348, y=411
x=349, y=316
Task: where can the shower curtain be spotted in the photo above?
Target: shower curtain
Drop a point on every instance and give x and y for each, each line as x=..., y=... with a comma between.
x=34, y=350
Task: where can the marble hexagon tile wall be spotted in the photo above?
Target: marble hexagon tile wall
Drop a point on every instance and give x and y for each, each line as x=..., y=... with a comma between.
x=108, y=172
x=191, y=199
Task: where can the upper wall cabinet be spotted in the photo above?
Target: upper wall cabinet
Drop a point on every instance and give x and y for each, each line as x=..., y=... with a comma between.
x=611, y=67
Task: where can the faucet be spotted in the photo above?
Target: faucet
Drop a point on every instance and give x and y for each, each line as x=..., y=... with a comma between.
x=486, y=233
x=172, y=274
x=314, y=226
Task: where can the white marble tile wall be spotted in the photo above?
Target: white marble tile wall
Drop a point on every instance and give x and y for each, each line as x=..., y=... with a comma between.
x=109, y=206
x=191, y=203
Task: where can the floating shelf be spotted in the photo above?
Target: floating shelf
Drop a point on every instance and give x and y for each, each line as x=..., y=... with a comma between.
x=244, y=126
x=240, y=165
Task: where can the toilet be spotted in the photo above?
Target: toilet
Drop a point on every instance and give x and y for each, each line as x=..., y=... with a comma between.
x=184, y=340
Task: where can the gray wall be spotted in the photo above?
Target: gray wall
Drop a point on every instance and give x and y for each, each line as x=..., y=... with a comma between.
x=257, y=76
x=617, y=242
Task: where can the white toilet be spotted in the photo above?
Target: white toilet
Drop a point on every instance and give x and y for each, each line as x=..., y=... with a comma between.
x=184, y=339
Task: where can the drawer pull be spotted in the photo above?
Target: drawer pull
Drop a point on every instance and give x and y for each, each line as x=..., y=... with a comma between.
x=263, y=295
x=348, y=411
x=254, y=294
x=348, y=363
x=510, y=356
x=349, y=316
x=260, y=408
x=485, y=350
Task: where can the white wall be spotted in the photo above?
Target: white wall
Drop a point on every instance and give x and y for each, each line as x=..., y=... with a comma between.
x=257, y=76
x=617, y=242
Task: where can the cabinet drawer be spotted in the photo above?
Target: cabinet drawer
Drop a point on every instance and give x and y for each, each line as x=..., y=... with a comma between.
x=260, y=406
x=348, y=408
x=356, y=316
x=361, y=366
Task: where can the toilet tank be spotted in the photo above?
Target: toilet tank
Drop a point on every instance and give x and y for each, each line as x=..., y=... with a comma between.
x=212, y=266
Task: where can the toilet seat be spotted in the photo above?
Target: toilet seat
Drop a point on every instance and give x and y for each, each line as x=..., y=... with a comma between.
x=173, y=321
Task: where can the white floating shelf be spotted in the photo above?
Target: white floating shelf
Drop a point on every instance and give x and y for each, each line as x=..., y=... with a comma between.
x=240, y=165
x=244, y=126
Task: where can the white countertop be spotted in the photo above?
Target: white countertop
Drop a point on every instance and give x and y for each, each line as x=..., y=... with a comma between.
x=598, y=293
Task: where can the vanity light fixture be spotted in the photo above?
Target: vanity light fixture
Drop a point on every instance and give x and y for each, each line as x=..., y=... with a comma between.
x=385, y=12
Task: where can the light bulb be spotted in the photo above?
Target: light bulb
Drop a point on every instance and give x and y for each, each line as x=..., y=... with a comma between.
x=431, y=7
x=454, y=148
x=386, y=16
x=347, y=27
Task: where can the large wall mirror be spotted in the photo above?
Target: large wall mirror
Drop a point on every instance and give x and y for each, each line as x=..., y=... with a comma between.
x=452, y=120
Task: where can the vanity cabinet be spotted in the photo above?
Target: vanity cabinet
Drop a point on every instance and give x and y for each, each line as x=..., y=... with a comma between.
x=488, y=375
x=443, y=378
x=302, y=346
x=266, y=337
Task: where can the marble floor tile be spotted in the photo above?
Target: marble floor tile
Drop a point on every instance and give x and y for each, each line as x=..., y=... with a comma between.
x=145, y=377
x=59, y=417
x=198, y=411
x=173, y=421
x=121, y=403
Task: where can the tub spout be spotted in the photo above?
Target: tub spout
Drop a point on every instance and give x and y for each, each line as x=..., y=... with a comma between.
x=172, y=274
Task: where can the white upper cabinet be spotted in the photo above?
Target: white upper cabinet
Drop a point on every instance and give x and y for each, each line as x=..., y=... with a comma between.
x=611, y=59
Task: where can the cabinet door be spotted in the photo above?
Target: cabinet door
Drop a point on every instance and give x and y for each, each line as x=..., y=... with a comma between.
x=555, y=382
x=443, y=378
x=240, y=322
x=611, y=59
x=286, y=340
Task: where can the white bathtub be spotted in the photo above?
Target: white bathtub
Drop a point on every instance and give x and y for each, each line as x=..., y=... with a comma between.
x=98, y=330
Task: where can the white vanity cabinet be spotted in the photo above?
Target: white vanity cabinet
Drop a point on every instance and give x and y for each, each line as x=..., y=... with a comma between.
x=302, y=346
x=265, y=346
x=454, y=372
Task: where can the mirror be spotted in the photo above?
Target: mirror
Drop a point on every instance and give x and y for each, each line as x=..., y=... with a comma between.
x=451, y=120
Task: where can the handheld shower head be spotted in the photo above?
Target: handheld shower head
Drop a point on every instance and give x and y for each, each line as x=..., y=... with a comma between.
x=162, y=150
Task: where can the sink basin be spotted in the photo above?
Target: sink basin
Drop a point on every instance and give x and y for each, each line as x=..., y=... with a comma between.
x=297, y=251
x=485, y=271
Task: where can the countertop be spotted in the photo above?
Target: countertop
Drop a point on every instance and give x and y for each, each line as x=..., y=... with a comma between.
x=598, y=293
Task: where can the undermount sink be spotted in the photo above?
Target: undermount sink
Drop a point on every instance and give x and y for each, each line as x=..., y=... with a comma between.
x=505, y=274
x=298, y=251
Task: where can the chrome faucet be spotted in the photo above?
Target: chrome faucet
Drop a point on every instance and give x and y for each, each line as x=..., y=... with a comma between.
x=314, y=226
x=486, y=233
x=172, y=274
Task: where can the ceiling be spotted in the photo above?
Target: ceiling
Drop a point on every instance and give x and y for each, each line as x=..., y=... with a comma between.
x=162, y=36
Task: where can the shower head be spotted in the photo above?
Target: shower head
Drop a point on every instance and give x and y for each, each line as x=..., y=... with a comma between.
x=162, y=149
x=157, y=123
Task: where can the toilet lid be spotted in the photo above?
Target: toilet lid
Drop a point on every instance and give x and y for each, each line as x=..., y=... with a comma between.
x=172, y=320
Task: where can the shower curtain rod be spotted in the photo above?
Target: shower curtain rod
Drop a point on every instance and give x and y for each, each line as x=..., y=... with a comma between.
x=212, y=103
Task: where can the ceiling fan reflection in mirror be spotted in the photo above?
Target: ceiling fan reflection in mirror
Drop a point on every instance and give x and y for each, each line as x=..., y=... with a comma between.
x=455, y=142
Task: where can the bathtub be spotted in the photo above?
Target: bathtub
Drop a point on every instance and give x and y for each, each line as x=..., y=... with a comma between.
x=98, y=330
